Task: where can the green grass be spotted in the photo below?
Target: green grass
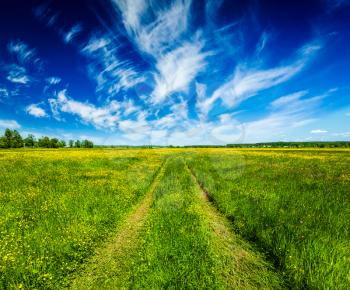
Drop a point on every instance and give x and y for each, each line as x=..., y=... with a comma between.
x=56, y=208
x=294, y=205
x=102, y=219
x=178, y=247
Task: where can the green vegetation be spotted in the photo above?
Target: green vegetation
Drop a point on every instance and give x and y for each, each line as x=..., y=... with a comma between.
x=13, y=139
x=293, y=207
x=219, y=218
x=177, y=246
x=309, y=144
x=56, y=209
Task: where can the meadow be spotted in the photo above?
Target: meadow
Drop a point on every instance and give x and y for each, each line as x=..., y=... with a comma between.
x=292, y=205
x=175, y=218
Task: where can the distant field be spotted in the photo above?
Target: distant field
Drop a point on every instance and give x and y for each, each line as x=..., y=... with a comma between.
x=159, y=218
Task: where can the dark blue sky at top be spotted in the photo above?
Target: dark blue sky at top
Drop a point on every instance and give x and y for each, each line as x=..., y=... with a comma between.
x=176, y=72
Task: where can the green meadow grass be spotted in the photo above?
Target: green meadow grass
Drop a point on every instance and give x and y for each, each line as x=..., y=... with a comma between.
x=111, y=219
x=56, y=207
x=178, y=247
x=293, y=205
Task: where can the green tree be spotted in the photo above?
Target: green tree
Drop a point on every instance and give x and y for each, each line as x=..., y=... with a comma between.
x=77, y=144
x=62, y=143
x=44, y=142
x=54, y=143
x=87, y=144
x=29, y=141
x=17, y=140
x=8, y=138
x=71, y=143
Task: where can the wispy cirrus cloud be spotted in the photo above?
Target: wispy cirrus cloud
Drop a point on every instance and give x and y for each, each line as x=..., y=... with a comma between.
x=24, y=54
x=177, y=69
x=248, y=81
x=288, y=99
x=4, y=93
x=110, y=72
x=72, y=33
x=129, y=107
x=262, y=42
x=36, y=111
x=18, y=75
x=161, y=31
x=154, y=27
x=26, y=63
x=287, y=113
x=53, y=80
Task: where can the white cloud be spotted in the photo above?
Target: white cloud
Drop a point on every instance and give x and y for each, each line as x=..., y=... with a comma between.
x=36, y=111
x=177, y=118
x=166, y=30
x=129, y=107
x=288, y=99
x=248, y=81
x=95, y=44
x=72, y=33
x=18, y=75
x=298, y=103
x=180, y=109
x=53, y=80
x=177, y=69
x=200, y=90
x=222, y=131
x=159, y=29
x=55, y=109
x=288, y=113
x=127, y=78
x=101, y=117
x=24, y=54
x=11, y=124
x=139, y=126
x=111, y=73
x=262, y=42
x=318, y=131
x=131, y=12
x=153, y=27
x=4, y=93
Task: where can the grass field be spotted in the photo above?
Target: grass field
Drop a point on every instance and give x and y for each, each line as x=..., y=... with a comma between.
x=166, y=218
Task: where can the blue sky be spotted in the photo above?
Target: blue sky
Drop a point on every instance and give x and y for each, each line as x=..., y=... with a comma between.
x=176, y=72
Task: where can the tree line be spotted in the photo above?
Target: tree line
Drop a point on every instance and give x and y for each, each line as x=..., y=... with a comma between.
x=309, y=144
x=13, y=139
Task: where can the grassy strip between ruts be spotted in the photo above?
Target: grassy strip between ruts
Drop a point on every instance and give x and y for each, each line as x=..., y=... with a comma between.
x=185, y=244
